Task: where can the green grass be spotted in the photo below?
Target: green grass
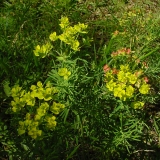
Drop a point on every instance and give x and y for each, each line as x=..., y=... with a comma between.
x=95, y=124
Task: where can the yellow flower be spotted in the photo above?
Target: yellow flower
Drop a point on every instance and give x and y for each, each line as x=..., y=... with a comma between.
x=62, y=37
x=144, y=89
x=80, y=27
x=69, y=35
x=34, y=132
x=43, y=50
x=111, y=85
x=70, y=31
x=64, y=72
x=17, y=104
x=27, y=122
x=21, y=123
x=33, y=87
x=132, y=78
x=109, y=76
x=48, y=91
x=41, y=112
x=53, y=36
x=13, y=103
x=138, y=83
x=122, y=77
x=54, y=90
x=75, y=45
x=137, y=105
x=29, y=98
x=47, y=94
x=77, y=28
x=39, y=84
x=35, y=124
x=28, y=116
x=56, y=108
x=20, y=131
x=121, y=85
x=119, y=92
x=37, y=117
x=37, y=50
x=37, y=93
x=44, y=105
x=51, y=123
x=39, y=132
x=15, y=92
x=64, y=22
x=129, y=91
x=83, y=27
x=124, y=68
x=14, y=109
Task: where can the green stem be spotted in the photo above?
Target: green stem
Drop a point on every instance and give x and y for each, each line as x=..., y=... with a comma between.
x=148, y=54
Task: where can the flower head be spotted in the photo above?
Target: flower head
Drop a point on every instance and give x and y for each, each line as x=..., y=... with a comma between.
x=137, y=105
x=64, y=22
x=53, y=36
x=64, y=72
x=144, y=89
x=43, y=50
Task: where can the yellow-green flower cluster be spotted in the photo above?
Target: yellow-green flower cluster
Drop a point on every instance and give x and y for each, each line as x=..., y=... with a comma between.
x=51, y=123
x=22, y=98
x=64, y=73
x=18, y=98
x=41, y=111
x=30, y=126
x=43, y=114
x=43, y=50
x=56, y=108
x=43, y=93
x=124, y=83
x=69, y=35
x=64, y=23
x=137, y=105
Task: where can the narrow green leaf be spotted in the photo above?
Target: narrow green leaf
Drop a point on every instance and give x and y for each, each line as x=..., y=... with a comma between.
x=72, y=153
